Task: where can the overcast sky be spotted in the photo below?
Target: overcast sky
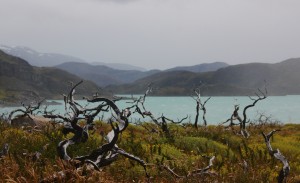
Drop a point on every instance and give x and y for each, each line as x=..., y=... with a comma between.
x=156, y=33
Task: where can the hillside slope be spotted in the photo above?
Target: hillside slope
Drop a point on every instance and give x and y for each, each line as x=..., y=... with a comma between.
x=18, y=79
x=38, y=59
x=282, y=79
x=120, y=66
x=205, y=67
x=103, y=75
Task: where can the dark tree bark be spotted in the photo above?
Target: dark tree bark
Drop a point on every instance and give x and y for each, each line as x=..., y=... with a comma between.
x=108, y=152
x=259, y=96
x=203, y=108
x=197, y=114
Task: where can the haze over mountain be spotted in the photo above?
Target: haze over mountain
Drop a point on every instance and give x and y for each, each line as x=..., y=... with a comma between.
x=103, y=75
x=244, y=79
x=156, y=34
x=205, y=67
x=120, y=66
x=18, y=80
x=222, y=79
x=39, y=59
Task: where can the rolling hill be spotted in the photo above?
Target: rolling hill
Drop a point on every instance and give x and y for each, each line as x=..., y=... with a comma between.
x=205, y=67
x=18, y=79
x=103, y=75
x=120, y=66
x=282, y=79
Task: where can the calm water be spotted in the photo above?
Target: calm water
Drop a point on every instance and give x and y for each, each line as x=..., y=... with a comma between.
x=283, y=108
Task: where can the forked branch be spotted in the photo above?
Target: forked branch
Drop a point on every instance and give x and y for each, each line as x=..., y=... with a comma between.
x=205, y=170
x=200, y=106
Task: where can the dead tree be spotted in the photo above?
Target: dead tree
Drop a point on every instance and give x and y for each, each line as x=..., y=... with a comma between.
x=138, y=104
x=160, y=122
x=264, y=120
x=139, y=107
x=164, y=125
x=4, y=118
x=4, y=150
x=26, y=114
x=200, y=106
x=284, y=172
x=28, y=109
x=202, y=171
x=105, y=154
x=260, y=95
x=234, y=116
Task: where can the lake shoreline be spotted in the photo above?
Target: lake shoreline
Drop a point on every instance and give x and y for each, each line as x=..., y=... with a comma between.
x=219, y=109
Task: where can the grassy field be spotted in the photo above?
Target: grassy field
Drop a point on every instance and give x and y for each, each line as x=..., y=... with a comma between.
x=33, y=158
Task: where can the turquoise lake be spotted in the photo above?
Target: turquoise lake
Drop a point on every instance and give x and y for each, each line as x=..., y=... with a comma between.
x=286, y=109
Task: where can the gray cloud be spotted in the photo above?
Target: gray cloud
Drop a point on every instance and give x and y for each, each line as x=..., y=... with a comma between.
x=116, y=1
x=156, y=33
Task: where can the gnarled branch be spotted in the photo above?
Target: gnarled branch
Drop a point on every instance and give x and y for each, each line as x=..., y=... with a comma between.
x=284, y=172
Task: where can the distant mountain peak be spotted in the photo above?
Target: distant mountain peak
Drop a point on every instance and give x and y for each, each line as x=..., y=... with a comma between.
x=36, y=58
x=120, y=66
x=39, y=59
x=204, y=67
x=290, y=60
x=235, y=80
x=102, y=74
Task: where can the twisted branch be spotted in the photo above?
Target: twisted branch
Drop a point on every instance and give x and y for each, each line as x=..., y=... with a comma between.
x=284, y=172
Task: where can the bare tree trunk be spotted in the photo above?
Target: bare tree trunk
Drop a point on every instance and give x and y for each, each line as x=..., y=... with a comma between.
x=203, y=108
x=105, y=154
x=284, y=172
x=204, y=119
x=260, y=96
x=199, y=106
x=197, y=114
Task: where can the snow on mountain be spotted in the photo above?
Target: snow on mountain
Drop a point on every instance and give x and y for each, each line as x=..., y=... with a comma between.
x=38, y=59
x=52, y=59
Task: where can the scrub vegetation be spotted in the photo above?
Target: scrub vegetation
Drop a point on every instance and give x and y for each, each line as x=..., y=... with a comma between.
x=32, y=155
x=77, y=147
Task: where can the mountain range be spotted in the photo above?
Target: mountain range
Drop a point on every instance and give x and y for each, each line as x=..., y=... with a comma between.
x=39, y=59
x=103, y=75
x=19, y=80
x=205, y=67
x=215, y=79
x=35, y=58
x=120, y=66
x=244, y=79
